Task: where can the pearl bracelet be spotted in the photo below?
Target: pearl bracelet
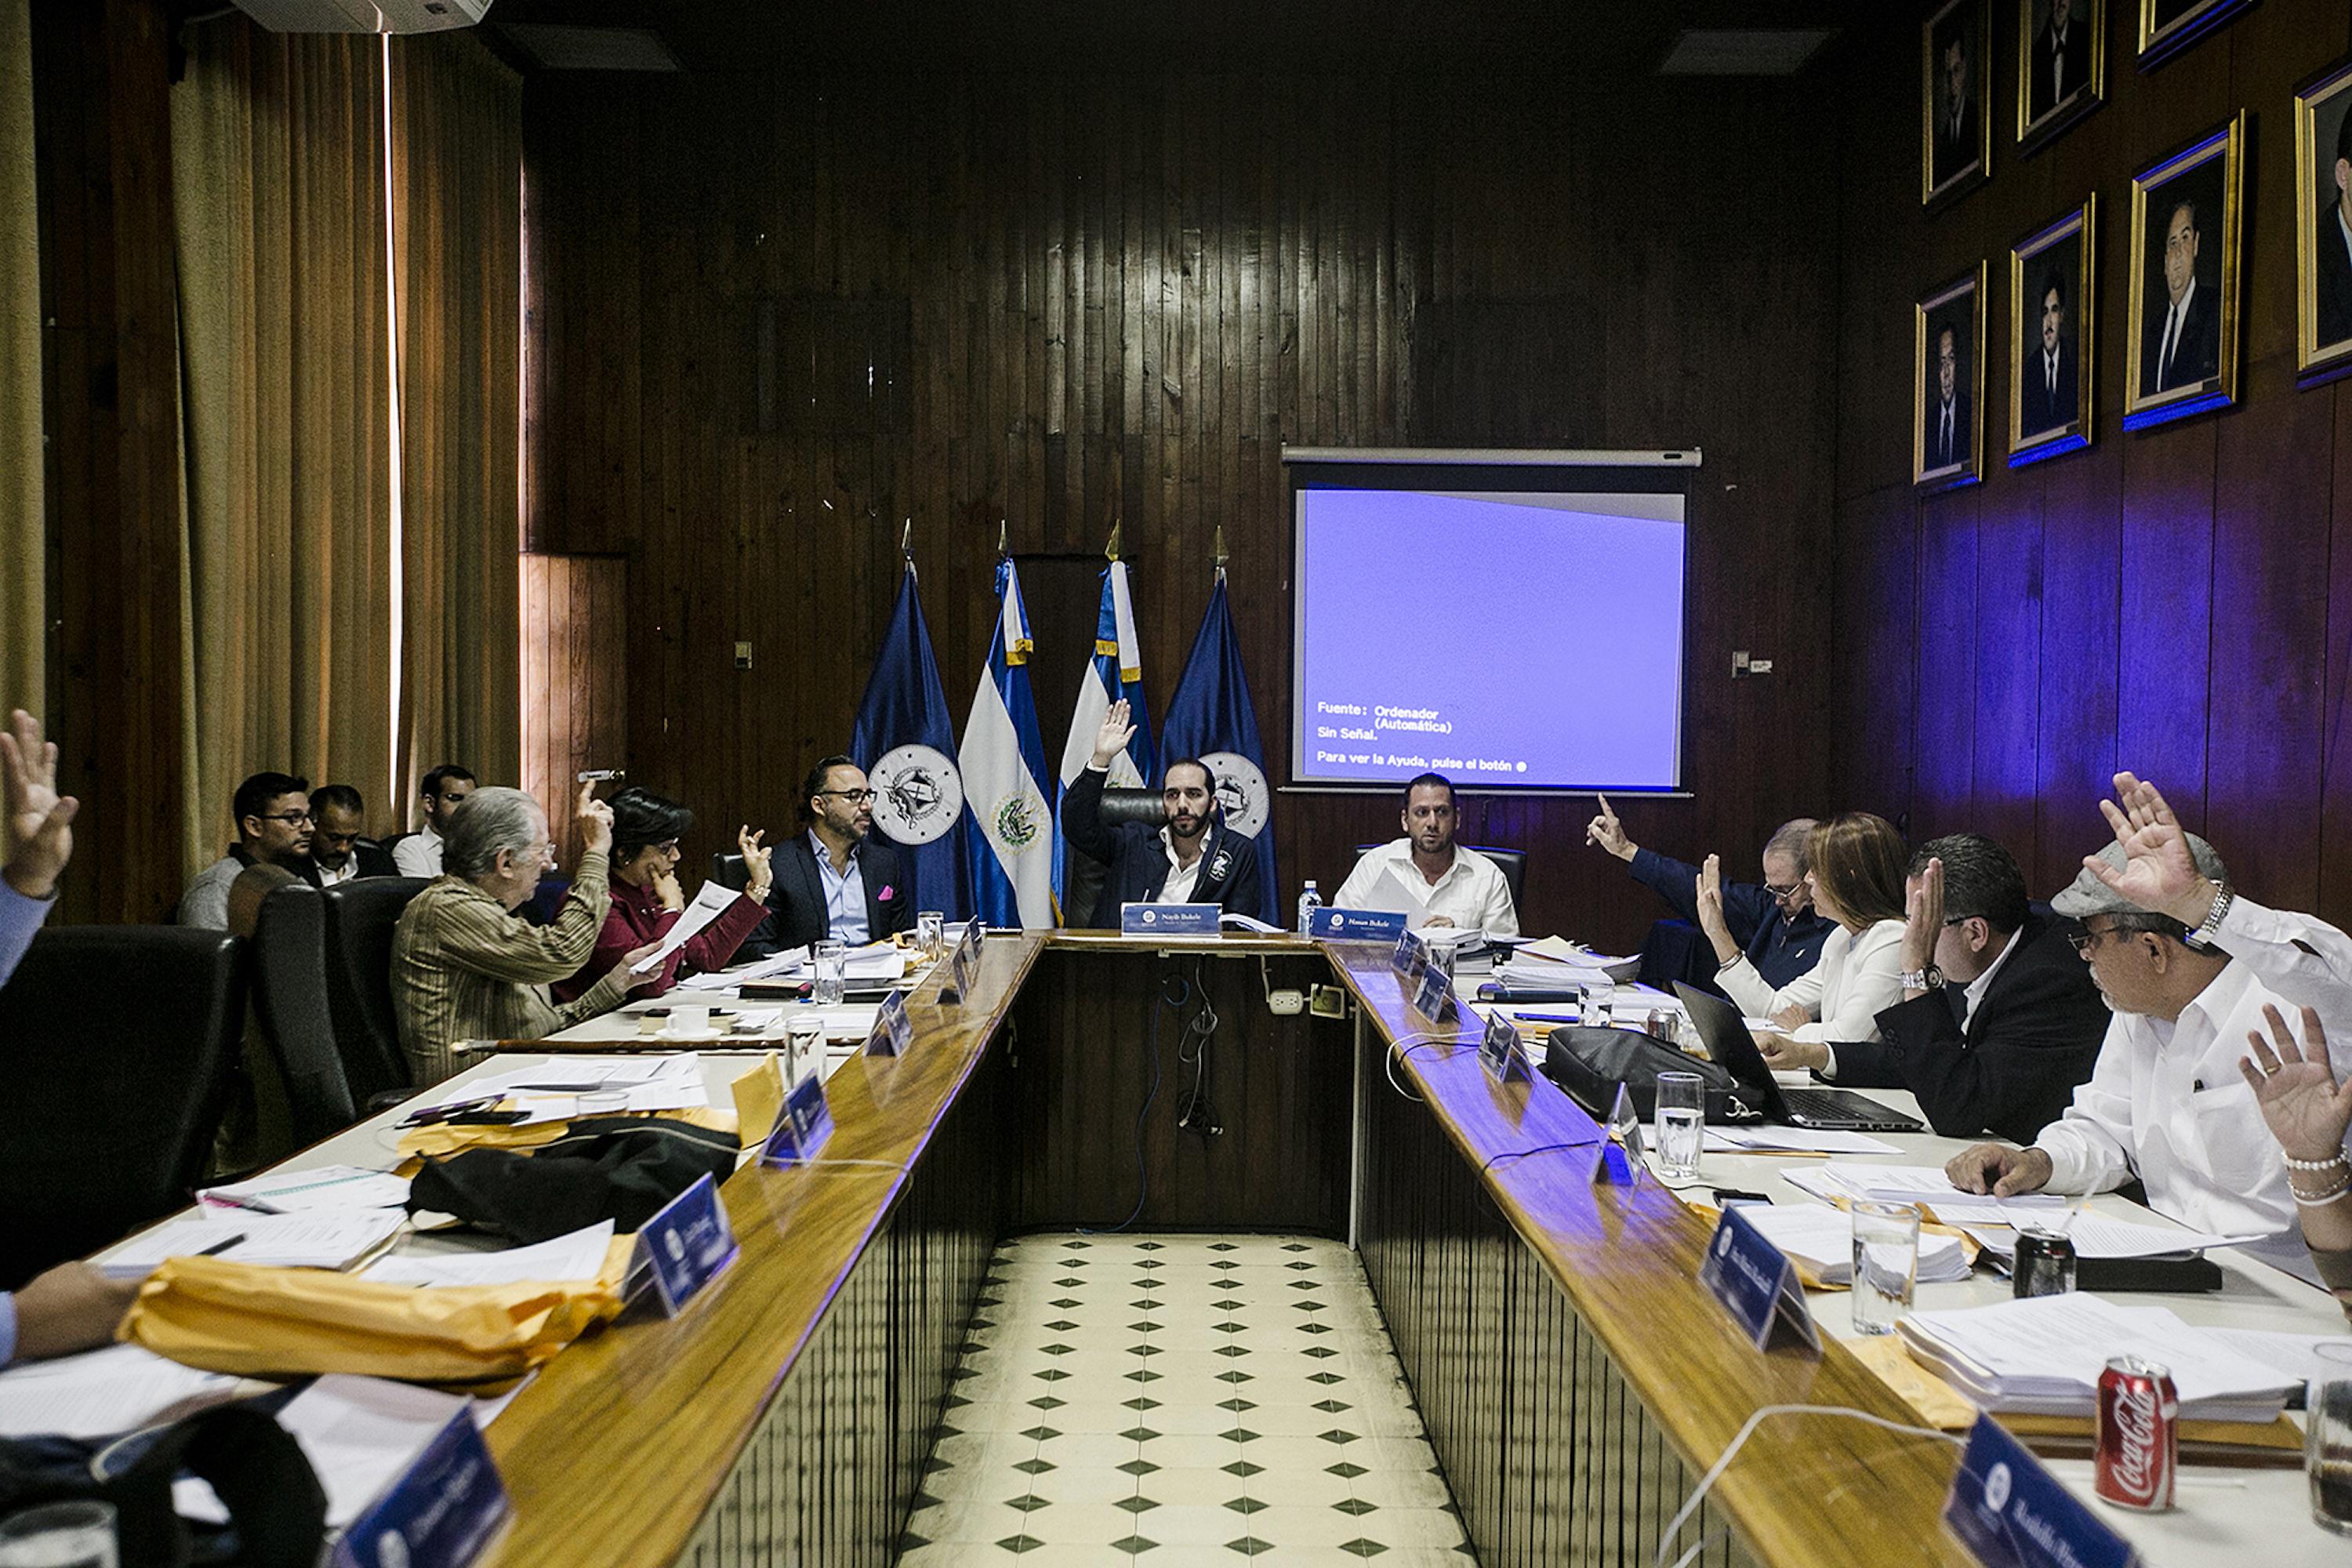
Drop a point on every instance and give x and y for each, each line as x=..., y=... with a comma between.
x=2323, y=1199
x=2331, y=1162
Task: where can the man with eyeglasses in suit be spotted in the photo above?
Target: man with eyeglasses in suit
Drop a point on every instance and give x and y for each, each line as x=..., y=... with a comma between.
x=273, y=829
x=836, y=881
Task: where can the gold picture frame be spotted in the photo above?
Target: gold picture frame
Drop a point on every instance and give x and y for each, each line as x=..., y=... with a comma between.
x=2054, y=276
x=2322, y=226
x=1947, y=424
x=2185, y=242
x=2061, y=73
x=2168, y=26
x=1955, y=100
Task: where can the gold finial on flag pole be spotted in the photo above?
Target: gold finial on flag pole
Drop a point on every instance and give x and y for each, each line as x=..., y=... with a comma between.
x=1110, y=550
x=1002, y=548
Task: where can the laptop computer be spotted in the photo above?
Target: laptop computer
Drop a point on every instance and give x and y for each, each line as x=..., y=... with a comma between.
x=1734, y=1048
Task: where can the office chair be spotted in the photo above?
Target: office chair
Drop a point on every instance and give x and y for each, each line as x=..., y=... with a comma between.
x=119, y=1040
x=727, y=869
x=361, y=917
x=287, y=956
x=1511, y=863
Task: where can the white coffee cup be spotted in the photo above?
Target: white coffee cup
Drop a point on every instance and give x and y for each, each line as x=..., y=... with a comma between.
x=689, y=1020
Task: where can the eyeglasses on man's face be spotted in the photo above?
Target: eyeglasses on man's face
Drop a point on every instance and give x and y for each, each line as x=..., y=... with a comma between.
x=2086, y=941
x=289, y=817
x=853, y=796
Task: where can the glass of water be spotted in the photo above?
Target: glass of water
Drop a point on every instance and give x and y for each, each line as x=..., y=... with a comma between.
x=1885, y=1264
x=803, y=1046
x=1594, y=1004
x=832, y=964
x=79, y=1534
x=1680, y=1123
x=2328, y=1439
x=930, y=925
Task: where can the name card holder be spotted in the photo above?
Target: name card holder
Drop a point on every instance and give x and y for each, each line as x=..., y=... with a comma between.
x=689, y=1244
x=806, y=1124
x=1757, y=1285
x=1355, y=925
x=1169, y=920
x=1498, y=1049
x=1432, y=994
x=444, y=1511
x=963, y=965
x=2010, y=1511
x=893, y=1030
x=1621, y=1151
x=1409, y=957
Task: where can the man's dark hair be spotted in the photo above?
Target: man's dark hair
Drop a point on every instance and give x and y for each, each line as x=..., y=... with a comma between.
x=429, y=786
x=255, y=795
x=343, y=798
x=1981, y=879
x=1208, y=775
x=641, y=817
x=1439, y=780
x=814, y=786
x=2055, y=282
x=2185, y=205
x=2343, y=140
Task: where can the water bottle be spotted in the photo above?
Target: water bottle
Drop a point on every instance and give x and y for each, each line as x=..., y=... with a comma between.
x=1309, y=901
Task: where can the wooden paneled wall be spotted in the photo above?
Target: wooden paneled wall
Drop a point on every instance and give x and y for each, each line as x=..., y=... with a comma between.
x=2172, y=601
x=575, y=677
x=771, y=317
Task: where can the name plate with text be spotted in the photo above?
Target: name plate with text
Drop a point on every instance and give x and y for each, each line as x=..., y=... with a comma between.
x=2010, y=1511
x=1498, y=1049
x=1409, y=957
x=442, y=1512
x=1756, y=1283
x=1432, y=994
x=804, y=1125
x=893, y=1031
x=690, y=1242
x=1169, y=919
x=963, y=965
x=1356, y=925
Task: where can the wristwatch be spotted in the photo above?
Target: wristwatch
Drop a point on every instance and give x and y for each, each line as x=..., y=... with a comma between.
x=1929, y=979
x=2202, y=937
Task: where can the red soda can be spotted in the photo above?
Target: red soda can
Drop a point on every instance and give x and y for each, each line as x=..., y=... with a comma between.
x=2139, y=1422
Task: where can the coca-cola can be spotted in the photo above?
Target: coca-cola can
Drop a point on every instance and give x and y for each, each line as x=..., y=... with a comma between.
x=2139, y=1422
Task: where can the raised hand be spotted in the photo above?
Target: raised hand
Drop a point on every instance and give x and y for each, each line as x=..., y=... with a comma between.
x=2306, y=1108
x=1710, y=909
x=41, y=821
x=2158, y=872
x=756, y=856
x=1608, y=833
x=1923, y=915
x=1114, y=735
x=595, y=825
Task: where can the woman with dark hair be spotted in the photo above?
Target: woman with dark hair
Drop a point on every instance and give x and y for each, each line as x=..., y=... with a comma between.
x=1855, y=872
x=646, y=901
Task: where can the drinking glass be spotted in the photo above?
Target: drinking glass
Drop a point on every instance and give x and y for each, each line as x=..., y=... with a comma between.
x=79, y=1534
x=1885, y=1264
x=1592, y=1005
x=929, y=926
x=831, y=963
x=1680, y=1123
x=804, y=1046
x=2328, y=1439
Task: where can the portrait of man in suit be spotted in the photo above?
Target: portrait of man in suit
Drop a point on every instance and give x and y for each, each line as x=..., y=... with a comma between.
x=1950, y=328
x=2331, y=234
x=2058, y=60
x=2049, y=381
x=1955, y=120
x=2180, y=328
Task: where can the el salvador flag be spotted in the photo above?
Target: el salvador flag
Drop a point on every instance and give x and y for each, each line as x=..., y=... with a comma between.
x=1115, y=671
x=1009, y=845
x=1211, y=718
x=905, y=740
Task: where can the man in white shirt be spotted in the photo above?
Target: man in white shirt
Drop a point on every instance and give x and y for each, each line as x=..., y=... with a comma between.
x=441, y=791
x=1428, y=877
x=2188, y=967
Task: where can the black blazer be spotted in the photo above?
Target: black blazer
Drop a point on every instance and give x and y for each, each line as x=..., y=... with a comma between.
x=2335, y=280
x=796, y=912
x=1937, y=456
x=2034, y=1037
x=1137, y=862
x=2196, y=357
x=2037, y=410
x=375, y=861
x=2045, y=91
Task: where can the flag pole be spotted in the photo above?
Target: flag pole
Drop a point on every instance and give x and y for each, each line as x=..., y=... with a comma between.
x=1221, y=556
x=906, y=545
x=1110, y=550
x=1002, y=550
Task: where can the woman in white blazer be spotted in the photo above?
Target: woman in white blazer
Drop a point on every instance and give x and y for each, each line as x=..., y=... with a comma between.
x=1858, y=862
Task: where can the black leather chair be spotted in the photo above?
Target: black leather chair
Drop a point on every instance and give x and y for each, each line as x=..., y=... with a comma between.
x=289, y=961
x=361, y=917
x=1512, y=863
x=119, y=1042
x=1082, y=877
x=729, y=871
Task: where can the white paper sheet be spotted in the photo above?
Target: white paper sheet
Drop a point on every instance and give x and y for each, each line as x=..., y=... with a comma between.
x=1795, y=1140
x=1823, y=1236
x=332, y=1239
x=2296, y=1356
x=121, y=1388
x=708, y=904
x=2102, y=1235
x=2045, y=1354
x=574, y=1256
x=308, y=1191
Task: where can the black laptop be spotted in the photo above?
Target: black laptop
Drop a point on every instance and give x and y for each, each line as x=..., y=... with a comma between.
x=1734, y=1048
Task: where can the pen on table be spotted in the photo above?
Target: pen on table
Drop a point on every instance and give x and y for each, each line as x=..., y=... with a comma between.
x=217, y=1248
x=248, y=1205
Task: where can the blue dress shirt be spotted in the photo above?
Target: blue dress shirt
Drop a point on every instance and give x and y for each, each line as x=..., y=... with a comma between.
x=844, y=894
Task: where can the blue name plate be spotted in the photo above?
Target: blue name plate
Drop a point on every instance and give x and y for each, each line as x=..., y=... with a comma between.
x=1432, y=994
x=441, y=1513
x=1356, y=925
x=802, y=1130
x=1409, y=957
x=1169, y=919
x=1756, y=1283
x=2010, y=1512
x=893, y=1030
x=690, y=1242
x=1498, y=1050
x=963, y=965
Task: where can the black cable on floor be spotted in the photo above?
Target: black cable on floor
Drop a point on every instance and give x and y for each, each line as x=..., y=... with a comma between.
x=1142, y=1177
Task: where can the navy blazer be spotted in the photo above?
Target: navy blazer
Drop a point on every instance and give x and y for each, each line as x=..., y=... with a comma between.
x=2034, y=1036
x=1138, y=860
x=1779, y=948
x=796, y=912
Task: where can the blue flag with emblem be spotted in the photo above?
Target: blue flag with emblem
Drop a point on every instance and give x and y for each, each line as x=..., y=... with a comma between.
x=1115, y=672
x=905, y=740
x=1210, y=717
x=1010, y=843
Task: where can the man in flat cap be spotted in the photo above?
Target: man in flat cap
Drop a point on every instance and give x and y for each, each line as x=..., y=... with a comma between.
x=2188, y=965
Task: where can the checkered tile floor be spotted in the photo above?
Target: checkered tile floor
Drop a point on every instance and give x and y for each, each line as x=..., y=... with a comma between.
x=1181, y=1400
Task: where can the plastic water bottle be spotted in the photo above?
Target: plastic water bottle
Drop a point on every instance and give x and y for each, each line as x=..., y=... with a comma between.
x=1309, y=901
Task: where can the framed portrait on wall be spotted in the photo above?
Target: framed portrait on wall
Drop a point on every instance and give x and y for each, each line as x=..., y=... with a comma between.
x=1947, y=383
x=2322, y=226
x=2168, y=26
x=2184, y=241
x=1955, y=100
x=2062, y=47
x=2051, y=275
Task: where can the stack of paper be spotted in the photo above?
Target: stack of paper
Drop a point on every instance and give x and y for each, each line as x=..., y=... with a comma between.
x=2042, y=1356
x=551, y=1091
x=774, y=968
x=1822, y=1239
x=122, y=1388
x=310, y=1191
x=578, y=1256
x=1927, y=1185
x=1793, y=1141
x=1558, y=953
x=332, y=1239
x=2102, y=1235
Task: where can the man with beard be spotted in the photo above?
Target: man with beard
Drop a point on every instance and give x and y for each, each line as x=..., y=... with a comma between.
x=273, y=827
x=837, y=882
x=2050, y=385
x=1194, y=859
x=1427, y=877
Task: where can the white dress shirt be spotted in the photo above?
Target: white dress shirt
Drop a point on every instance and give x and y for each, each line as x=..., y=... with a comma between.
x=2173, y=316
x=1178, y=889
x=845, y=895
x=1471, y=893
x=1858, y=978
x=2167, y=1103
x=344, y=873
x=419, y=854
